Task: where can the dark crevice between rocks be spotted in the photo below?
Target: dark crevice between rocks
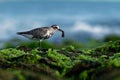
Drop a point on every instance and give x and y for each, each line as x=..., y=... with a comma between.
x=79, y=67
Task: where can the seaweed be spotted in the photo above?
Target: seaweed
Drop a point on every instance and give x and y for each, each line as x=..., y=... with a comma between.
x=67, y=63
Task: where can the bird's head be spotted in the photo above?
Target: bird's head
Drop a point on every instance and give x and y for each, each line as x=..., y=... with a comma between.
x=56, y=27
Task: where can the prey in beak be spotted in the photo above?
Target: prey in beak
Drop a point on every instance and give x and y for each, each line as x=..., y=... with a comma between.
x=63, y=34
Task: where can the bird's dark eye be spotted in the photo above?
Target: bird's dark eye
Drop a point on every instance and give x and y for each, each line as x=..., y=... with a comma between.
x=55, y=27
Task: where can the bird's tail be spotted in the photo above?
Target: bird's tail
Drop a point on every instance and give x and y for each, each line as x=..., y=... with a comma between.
x=20, y=33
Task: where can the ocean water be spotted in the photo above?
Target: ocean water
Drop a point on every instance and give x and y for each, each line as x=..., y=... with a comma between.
x=79, y=20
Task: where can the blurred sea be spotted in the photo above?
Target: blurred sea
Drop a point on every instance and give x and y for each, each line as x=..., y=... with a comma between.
x=79, y=20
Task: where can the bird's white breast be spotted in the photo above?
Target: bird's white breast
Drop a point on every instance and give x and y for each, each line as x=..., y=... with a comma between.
x=48, y=32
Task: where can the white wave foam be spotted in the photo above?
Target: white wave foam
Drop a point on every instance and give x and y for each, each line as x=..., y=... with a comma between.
x=9, y=26
x=96, y=30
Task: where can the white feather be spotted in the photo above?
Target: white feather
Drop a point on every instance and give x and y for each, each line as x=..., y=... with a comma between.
x=28, y=36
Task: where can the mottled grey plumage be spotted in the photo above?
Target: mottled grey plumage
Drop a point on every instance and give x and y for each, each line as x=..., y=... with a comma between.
x=41, y=33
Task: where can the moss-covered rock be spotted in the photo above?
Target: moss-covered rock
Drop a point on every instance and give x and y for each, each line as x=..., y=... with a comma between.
x=58, y=64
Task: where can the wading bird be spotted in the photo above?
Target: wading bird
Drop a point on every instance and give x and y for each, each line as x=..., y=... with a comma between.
x=41, y=33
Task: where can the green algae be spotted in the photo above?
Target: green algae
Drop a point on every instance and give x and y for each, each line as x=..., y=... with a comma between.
x=10, y=53
x=67, y=63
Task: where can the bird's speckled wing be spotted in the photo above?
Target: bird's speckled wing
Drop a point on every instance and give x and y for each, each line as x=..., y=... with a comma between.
x=39, y=33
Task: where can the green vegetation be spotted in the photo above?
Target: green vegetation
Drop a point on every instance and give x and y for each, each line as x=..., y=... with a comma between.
x=66, y=63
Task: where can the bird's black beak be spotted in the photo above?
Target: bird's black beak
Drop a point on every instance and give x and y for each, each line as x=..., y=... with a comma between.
x=62, y=32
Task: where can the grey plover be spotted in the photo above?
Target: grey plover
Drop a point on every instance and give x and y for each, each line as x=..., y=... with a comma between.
x=41, y=33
